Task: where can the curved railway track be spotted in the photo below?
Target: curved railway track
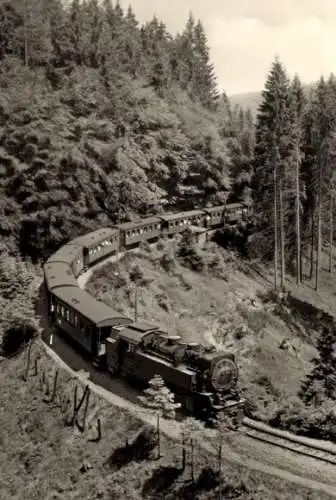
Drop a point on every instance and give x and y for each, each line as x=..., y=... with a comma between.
x=302, y=446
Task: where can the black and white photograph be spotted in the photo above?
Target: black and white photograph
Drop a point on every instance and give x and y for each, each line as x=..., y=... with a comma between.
x=167, y=250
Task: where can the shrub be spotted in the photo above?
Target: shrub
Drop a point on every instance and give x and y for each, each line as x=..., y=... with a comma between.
x=188, y=253
x=167, y=262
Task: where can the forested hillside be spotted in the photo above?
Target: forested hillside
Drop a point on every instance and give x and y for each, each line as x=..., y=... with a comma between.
x=101, y=119
x=294, y=173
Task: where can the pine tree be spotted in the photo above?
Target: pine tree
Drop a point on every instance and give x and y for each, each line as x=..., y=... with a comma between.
x=204, y=83
x=296, y=194
x=322, y=377
x=272, y=151
x=10, y=21
x=161, y=401
x=318, y=164
x=332, y=194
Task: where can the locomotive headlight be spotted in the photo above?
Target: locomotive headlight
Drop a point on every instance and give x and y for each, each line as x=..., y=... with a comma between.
x=224, y=374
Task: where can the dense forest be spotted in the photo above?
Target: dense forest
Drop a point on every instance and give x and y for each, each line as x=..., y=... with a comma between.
x=294, y=172
x=102, y=119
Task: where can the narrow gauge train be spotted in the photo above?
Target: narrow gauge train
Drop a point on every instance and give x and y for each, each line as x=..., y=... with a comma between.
x=203, y=379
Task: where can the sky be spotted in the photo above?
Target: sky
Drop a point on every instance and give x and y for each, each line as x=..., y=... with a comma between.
x=245, y=36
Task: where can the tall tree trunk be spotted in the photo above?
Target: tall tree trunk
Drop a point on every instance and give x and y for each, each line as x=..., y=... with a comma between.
x=298, y=229
x=312, y=243
x=282, y=236
x=275, y=228
x=331, y=230
x=319, y=235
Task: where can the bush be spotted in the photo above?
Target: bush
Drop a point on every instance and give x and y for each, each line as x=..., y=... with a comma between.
x=188, y=253
x=136, y=273
x=317, y=423
x=15, y=336
x=167, y=262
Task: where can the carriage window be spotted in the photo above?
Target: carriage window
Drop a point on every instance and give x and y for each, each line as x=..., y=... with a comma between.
x=62, y=311
x=88, y=332
x=76, y=320
x=81, y=327
x=131, y=348
x=67, y=315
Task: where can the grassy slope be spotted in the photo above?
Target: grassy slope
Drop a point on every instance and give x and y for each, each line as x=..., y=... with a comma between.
x=222, y=306
x=41, y=458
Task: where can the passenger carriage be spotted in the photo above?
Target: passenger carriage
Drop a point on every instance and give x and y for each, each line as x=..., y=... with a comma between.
x=135, y=232
x=86, y=320
x=98, y=245
x=71, y=254
x=177, y=223
x=233, y=212
x=56, y=275
x=214, y=216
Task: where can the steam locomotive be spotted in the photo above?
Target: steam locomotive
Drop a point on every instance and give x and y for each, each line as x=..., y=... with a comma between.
x=203, y=379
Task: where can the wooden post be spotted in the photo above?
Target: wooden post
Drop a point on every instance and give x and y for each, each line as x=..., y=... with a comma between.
x=99, y=429
x=47, y=387
x=220, y=466
x=136, y=305
x=192, y=460
x=55, y=386
x=183, y=453
x=35, y=367
x=28, y=360
x=86, y=407
x=158, y=434
x=75, y=405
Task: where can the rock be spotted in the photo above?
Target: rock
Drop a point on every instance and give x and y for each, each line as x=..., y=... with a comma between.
x=85, y=467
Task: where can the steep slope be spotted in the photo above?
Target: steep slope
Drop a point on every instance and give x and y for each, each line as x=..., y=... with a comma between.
x=81, y=156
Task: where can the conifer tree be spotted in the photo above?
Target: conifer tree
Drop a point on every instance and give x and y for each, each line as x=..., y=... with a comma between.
x=10, y=21
x=75, y=26
x=318, y=164
x=272, y=151
x=161, y=401
x=204, y=77
x=323, y=373
x=296, y=194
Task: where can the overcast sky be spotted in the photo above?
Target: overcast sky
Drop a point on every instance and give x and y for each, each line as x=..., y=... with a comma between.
x=245, y=35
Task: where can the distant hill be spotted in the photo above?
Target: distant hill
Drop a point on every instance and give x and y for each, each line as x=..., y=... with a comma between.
x=252, y=99
x=247, y=100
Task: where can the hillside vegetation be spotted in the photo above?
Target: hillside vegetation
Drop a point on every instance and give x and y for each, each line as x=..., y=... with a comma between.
x=101, y=120
x=212, y=296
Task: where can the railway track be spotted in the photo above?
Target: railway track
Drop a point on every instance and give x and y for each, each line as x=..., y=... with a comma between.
x=325, y=452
